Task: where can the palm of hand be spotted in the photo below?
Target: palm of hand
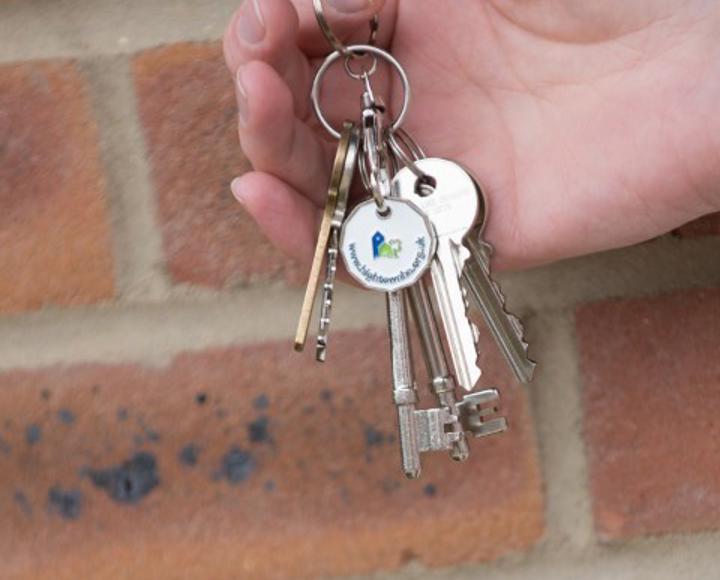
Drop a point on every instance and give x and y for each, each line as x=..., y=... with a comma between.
x=589, y=127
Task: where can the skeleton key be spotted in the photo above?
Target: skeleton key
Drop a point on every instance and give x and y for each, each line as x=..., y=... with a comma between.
x=486, y=296
x=404, y=393
x=387, y=244
x=442, y=383
x=452, y=208
x=340, y=179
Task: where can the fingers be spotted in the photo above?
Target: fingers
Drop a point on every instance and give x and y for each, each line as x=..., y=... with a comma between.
x=266, y=30
x=349, y=20
x=284, y=216
x=274, y=140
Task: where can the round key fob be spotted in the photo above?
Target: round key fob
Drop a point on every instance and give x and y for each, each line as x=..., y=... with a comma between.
x=389, y=252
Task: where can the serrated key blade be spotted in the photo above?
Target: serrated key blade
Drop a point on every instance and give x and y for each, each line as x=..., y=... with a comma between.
x=506, y=328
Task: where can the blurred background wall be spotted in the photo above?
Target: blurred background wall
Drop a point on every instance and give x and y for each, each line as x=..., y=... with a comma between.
x=155, y=423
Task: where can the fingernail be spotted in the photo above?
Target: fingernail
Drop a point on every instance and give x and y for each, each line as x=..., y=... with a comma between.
x=241, y=95
x=250, y=24
x=235, y=188
x=350, y=5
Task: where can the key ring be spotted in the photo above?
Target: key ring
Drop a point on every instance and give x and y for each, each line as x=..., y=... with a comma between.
x=408, y=152
x=334, y=40
x=356, y=49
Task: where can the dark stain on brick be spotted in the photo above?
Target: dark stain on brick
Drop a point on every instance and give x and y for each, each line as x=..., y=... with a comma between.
x=261, y=402
x=201, y=398
x=237, y=465
x=45, y=394
x=189, y=455
x=5, y=448
x=129, y=482
x=259, y=430
x=96, y=389
x=221, y=413
x=33, y=434
x=373, y=437
x=269, y=485
x=326, y=395
x=66, y=416
x=122, y=414
x=430, y=490
x=309, y=409
x=23, y=503
x=65, y=502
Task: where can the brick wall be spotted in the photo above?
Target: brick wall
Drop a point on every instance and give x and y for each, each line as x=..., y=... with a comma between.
x=154, y=422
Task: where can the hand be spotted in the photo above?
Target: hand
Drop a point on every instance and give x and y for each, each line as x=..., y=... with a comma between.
x=590, y=125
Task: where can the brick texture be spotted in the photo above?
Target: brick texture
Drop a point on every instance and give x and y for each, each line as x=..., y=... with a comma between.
x=708, y=225
x=245, y=462
x=651, y=372
x=188, y=111
x=54, y=232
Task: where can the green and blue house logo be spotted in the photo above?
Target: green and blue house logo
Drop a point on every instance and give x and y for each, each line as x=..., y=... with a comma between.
x=385, y=249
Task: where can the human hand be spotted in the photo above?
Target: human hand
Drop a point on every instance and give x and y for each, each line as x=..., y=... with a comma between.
x=589, y=125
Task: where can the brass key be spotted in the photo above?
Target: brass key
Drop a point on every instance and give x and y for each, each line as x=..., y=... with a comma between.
x=340, y=181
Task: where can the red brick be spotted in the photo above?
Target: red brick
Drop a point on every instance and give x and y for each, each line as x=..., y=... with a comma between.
x=651, y=373
x=708, y=225
x=324, y=495
x=54, y=232
x=188, y=111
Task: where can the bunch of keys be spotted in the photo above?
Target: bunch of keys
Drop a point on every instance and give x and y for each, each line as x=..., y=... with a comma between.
x=417, y=238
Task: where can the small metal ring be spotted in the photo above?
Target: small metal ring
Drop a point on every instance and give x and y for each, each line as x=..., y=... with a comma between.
x=358, y=48
x=333, y=40
x=406, y=150
x=361, y=75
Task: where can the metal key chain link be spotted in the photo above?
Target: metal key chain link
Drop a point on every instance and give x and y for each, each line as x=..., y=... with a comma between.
x=359, y=48
x=332, y=38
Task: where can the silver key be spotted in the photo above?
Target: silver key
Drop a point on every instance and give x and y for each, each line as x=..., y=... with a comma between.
x=341, y=182
x=377, y=180
x=452, y=208
x=486, y=296
x=442, y=384
x=404, y=394
x=327, y=296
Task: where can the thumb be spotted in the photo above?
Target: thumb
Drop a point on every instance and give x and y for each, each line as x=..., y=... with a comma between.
x=349, y=21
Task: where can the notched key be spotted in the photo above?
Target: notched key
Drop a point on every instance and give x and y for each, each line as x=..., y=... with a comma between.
x=478, y=413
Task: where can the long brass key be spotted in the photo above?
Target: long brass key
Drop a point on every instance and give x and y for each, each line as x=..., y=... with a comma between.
x=340, y=181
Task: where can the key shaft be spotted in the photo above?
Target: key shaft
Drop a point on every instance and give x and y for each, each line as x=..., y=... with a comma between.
x=459, y=329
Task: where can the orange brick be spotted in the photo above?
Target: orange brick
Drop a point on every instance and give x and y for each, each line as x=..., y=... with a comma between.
x=188, y=111
x=708, y=225
x=651, y=372
x=246, y=462
x=54, y=233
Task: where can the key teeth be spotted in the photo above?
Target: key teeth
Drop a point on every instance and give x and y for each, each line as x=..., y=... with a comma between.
x=476, y=411
x=486, y=251
x=431, y=429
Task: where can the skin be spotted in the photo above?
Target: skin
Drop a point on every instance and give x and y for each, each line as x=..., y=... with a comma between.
x=590, y=125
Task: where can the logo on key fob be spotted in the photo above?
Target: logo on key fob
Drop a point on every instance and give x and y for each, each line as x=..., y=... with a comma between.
x=389, y=252
x=383, y=249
